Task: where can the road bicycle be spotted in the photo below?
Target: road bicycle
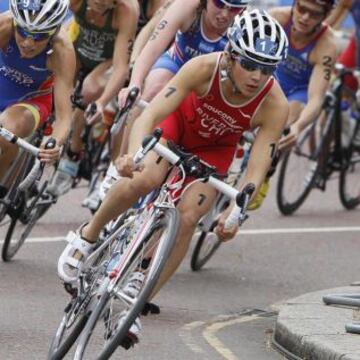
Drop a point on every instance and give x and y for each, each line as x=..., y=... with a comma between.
x=207, y=242
x=97, y=140
x=320, y=152
x=26, y=200
x=100, y=312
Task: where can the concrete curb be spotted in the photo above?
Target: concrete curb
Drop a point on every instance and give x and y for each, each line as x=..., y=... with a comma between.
x=311, y=330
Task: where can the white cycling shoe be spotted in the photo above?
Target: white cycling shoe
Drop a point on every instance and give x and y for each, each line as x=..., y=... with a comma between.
x=133, y=334
x=132, y=289
x=134, y=284
x=92, y=201
x=68, y=265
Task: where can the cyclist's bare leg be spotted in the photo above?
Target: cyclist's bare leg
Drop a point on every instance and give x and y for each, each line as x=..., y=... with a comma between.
x=196, y=202
x=116, y=142
x=93, y=86
x=154, y=82
x=78, y=123
x=123, y=194
x=20, y=121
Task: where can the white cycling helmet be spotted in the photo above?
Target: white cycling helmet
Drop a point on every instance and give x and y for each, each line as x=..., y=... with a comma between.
x=259, y=37
x=39, y=15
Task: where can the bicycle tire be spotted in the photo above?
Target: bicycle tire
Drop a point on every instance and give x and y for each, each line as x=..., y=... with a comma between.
x=17, y=201
x=168, y=224
x=8, y=252
x=313, y=165
x=349, y=201
x=200, y=257
x=60, y=346
x=34, y=217
x=78, y=310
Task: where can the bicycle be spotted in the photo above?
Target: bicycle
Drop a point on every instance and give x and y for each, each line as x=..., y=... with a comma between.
x=319, y=153
x=25, y=200
x=143, y=240
x=207, y=242
x=97, y=140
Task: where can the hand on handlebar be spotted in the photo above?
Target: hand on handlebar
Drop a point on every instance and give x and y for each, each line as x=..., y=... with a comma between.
x=50, y=155
x=125, y=166
x=123, y=96
x=286, y=142
x=94, y=113
x=223, y=233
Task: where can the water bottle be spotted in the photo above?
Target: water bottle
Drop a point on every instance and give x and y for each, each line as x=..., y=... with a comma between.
x=69, y=167
x=238, y=163
x=63, y=178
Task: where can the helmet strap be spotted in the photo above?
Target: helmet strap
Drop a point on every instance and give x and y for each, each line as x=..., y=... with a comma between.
x=228, y=74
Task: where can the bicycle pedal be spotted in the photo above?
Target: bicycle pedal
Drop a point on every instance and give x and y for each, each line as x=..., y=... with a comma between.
x=128, y=342
x=150, y=308
x=70, y=289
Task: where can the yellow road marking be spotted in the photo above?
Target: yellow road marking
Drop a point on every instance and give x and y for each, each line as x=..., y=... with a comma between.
x=186, y=336
x=210, y=335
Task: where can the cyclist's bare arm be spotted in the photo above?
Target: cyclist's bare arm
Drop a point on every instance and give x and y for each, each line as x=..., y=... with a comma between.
x=127, y=18
x=178, y=16
x=337, y=16
x=323, y=58
x=6, y=27
x=63, y=53
x=147, y=30
x=270, y=119
x=195, y=76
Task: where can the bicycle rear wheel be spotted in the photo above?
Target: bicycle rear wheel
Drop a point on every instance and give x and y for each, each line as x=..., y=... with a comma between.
x=349, y=185
x=118, y=310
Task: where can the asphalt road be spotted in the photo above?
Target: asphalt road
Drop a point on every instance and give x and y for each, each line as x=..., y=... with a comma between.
x=226, y=311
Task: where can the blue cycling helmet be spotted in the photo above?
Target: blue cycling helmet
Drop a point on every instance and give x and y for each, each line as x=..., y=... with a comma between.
x=258, y=37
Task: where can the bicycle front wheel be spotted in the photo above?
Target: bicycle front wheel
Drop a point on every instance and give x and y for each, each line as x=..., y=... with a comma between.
x=205, y=248
x=18, y=232
x=349, y=185
x=116, y=311
x=302, y=165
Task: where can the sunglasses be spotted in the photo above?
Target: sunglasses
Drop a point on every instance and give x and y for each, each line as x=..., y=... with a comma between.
x=316, y=15
x=232, y=9
x=251, y=66
x=36, y=36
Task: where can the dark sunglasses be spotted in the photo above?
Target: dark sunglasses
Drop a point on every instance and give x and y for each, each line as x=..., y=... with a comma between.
x=232, y=9
x=36, y=36
x=316, y=15
x=251, y=66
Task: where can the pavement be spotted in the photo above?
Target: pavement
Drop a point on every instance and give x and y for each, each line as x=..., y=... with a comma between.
x=307, y=328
